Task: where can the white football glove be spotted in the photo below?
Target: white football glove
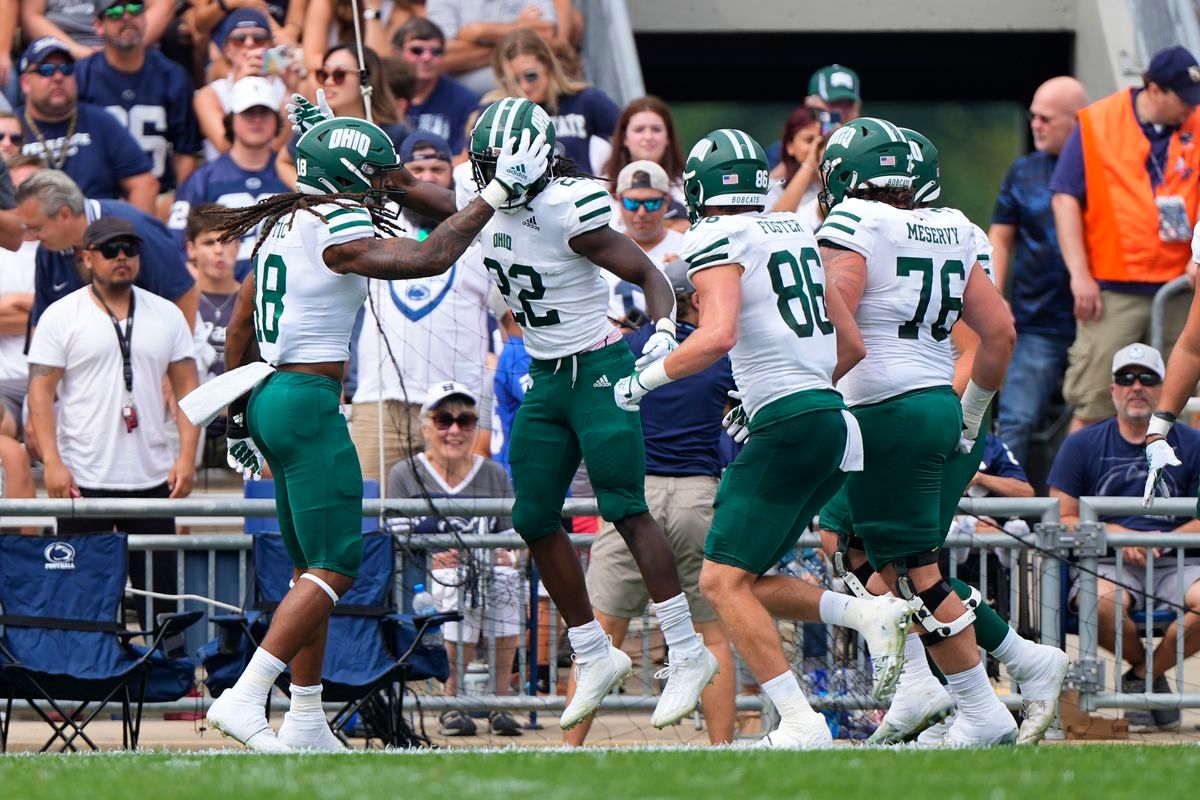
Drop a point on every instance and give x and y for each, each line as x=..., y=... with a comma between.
x=304, y=115
x=1159, y=456
x=660, y=344
x=519, y=165
x=736, y=423
x=629, y=391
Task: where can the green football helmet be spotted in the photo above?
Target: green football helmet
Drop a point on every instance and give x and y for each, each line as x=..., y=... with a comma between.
x=725, y=168
x=344, y=154
x=927, y=171
x=864, y=152
x=506, y=119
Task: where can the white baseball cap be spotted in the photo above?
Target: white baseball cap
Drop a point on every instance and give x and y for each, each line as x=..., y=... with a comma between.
x=440, y=391
x=643, y=175
x=1142, y=355
x=253, y=91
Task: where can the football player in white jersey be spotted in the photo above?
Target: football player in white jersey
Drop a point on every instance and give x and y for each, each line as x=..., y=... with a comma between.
x=763, y=300
x=908, y=275
x=296, y=309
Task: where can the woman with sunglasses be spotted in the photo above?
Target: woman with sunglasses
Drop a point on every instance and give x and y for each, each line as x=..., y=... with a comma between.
x=584, y=117
x=11, y=135
x=338, y=77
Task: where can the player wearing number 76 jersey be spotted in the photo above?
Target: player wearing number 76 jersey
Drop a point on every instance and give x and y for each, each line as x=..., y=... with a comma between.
x=763, y=300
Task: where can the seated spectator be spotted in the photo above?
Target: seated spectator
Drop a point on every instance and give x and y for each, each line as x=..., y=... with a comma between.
x=283, y=20
x=472, y=30
x=55, y=211
x=1107, y=459
x=642, y=203
x=584, y=117
x=802, y=145
x=1000, y=474
x=328, y=21
x=109, y=437
x=83, y=140
x=338, y=76
x=150, y=95
x=646, y=132
x=11, y=135
x=245, y=174
x=449, y=467
x=243, y=37
x=439, y=104
x=71, y=21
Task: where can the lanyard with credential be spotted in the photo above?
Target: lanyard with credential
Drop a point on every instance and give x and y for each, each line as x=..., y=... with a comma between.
x=125, y=342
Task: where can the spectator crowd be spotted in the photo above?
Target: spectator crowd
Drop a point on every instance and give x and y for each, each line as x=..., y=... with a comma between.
x=125, y=124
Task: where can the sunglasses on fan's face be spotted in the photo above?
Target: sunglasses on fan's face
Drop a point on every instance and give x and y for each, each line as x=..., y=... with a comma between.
x=118, y=11
x=1144, y=378
x=416, y=51
x=245, y=39
x=13, y=138
x=529, y=77
x=651, y=205
x=337, y=75
x=466, y=421
x=111, y=249
x=48, y=70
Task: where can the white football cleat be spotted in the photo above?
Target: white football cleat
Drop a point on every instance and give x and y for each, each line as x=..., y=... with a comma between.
x=595, y=680
x=309, y=732
x=812, y=733
x=686, y=674
x=884, y=627
x=1041, y=684
x=913, y=710
x=933, y=735
x=999, y=728
x=244, y=721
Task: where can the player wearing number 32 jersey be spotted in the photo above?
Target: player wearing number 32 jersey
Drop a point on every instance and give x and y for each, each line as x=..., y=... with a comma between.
x=763, y=300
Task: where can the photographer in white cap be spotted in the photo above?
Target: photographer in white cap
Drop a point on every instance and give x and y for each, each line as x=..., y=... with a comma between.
x=1106, y=459
x=643, y=202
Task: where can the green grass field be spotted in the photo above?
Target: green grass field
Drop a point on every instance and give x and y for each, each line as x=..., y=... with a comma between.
x=1058, y=772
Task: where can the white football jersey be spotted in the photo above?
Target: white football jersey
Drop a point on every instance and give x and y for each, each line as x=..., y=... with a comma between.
x=559, y=298
x=303, y=311
x=918, y=262
x=786, y=343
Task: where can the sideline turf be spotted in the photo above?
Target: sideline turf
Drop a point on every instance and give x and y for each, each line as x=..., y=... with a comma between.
x=1057, y=772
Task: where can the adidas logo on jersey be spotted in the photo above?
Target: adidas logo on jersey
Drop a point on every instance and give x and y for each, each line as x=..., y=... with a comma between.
x=602, y=383
x=531, y=223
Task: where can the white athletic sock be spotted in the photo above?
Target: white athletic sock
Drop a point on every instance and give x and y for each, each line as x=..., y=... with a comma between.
x=834, y=606
x=1013, y=649
x=259, y=676
x=588, y=641
x=785, y=692
x=306, y=700
x=973, y=691
x=916, y=664
x=675, y=621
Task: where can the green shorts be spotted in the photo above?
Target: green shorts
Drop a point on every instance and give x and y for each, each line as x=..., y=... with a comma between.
x=960, y=468
x=296, y=420
x=894, y=505
x=788, y=469
x=569, y=412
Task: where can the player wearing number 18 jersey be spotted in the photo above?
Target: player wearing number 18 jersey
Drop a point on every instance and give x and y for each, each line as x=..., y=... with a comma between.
x=763, y=300
x=908, y=275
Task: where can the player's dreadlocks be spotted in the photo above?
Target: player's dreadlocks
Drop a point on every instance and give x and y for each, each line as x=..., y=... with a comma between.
x=234, y=223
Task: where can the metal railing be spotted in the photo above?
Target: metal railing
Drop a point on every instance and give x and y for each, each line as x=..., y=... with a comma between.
x=216, y=566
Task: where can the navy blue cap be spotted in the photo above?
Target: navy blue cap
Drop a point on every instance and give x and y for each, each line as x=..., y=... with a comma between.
x=239, y=18
x=424, y=140
x=1175, y=68
x=41, y=49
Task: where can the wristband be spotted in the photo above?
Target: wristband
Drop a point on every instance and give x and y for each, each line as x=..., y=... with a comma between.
x=494, y=194
x=654, y=375
x=975, y=402
x=1159, y=425
x=666, y=325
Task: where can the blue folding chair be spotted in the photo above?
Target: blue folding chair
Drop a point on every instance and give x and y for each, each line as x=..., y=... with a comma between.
x=62, y=641
x=371, y=649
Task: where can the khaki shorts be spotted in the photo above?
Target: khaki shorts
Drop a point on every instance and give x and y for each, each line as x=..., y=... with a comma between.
x=684, y=508
x=1166, y=581
x=499, y=614
x=1089, y=361
x=401, y=431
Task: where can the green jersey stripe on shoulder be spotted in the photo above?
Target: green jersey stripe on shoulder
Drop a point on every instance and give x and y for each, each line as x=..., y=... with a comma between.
x=358, y=223
x=838, y=213
x=718, y=243
x=341, y=212
x=836, y=226
x=590, y=198
x=713, y=258
x=593, y=214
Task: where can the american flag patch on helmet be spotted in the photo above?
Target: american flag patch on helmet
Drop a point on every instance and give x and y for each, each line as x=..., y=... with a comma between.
x=729, y=180
x=887, y=161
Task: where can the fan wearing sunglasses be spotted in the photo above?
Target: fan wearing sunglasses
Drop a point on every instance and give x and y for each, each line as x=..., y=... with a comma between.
x=439, y=103
x=11, y=135
x=642, y=202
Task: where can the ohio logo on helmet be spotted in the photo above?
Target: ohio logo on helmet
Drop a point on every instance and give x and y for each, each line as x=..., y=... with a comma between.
x=59, y=556
x=357, y=141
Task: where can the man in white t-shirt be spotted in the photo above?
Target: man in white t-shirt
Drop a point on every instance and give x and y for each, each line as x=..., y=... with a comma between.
x=642, y=201
x=433, y=330
x=104, y=350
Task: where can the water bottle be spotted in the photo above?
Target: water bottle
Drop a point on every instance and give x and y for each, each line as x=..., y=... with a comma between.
x=423, y=607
